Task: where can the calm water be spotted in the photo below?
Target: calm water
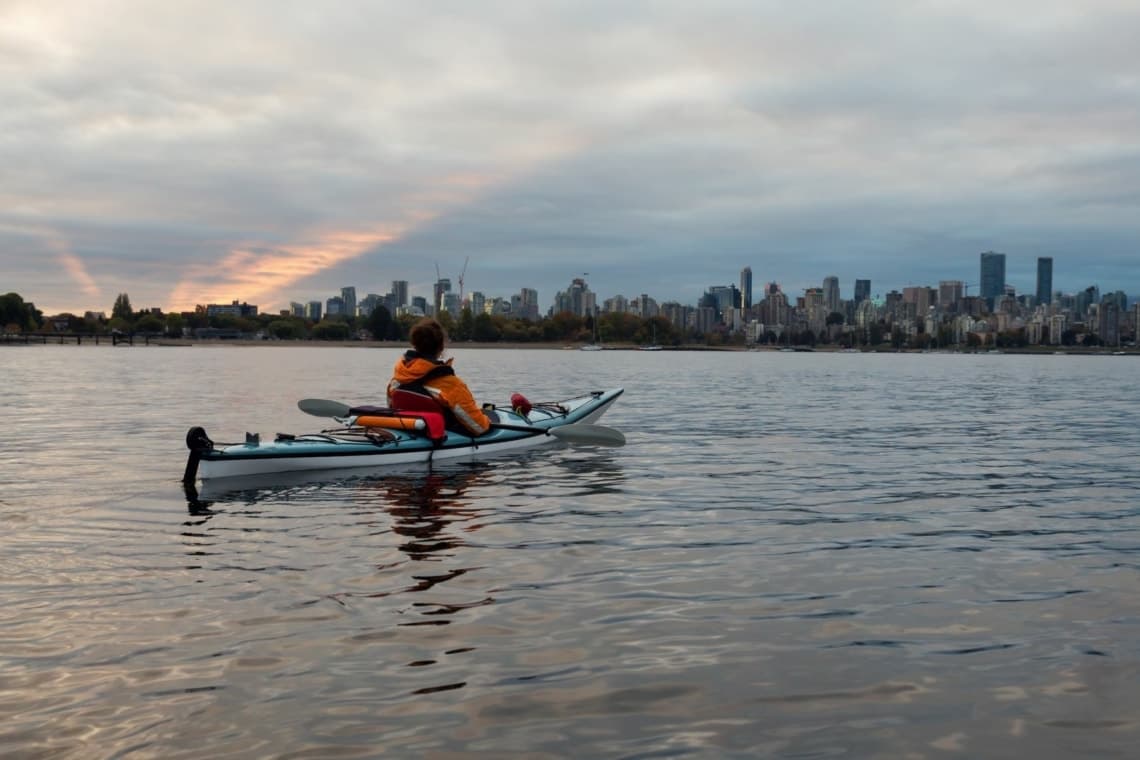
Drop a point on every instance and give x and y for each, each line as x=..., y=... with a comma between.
x=796, y=555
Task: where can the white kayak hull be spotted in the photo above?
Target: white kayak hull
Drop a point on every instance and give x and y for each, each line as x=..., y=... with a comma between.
x=345, y=449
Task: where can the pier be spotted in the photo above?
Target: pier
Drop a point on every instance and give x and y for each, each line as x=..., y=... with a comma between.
x=112, y=339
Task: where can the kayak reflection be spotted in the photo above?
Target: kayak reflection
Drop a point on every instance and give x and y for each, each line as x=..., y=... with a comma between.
x=424, y=507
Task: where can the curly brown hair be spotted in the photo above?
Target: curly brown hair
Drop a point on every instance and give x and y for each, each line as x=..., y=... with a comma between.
x=428, y=337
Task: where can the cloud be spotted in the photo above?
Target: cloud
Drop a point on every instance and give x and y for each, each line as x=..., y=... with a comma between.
x=78, y=272
x=184, y=152
x=252, y=273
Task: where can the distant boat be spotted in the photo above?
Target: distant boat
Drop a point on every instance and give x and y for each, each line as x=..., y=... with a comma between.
x=595, y=345
x=652, y=346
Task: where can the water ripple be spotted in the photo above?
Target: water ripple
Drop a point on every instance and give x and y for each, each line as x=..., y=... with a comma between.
x=836, y=555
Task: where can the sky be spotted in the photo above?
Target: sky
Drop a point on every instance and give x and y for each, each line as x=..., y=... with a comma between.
x=202, y=152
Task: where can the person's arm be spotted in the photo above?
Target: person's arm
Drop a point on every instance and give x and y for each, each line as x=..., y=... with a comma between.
x=462, y=404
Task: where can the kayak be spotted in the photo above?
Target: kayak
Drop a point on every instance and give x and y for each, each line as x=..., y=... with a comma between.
x=371, y=436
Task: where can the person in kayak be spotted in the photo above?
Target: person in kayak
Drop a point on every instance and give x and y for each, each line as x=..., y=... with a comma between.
x=420, y=370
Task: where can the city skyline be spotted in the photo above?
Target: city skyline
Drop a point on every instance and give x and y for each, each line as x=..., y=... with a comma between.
x=745, y=280
x=990, y=285
x=652, y=145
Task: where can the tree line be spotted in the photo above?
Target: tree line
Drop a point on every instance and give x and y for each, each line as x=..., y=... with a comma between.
x=18, y=316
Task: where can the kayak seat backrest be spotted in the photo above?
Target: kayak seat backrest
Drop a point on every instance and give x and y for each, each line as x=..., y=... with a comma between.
x=405, y=400
x=423, y=406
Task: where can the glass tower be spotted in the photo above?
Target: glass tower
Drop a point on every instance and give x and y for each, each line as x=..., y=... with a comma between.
x=348, y=296
x=992, y=281
x=831, y=293
x=1045, y=280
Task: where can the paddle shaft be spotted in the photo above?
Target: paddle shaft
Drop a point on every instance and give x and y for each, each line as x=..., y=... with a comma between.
x=521, y=428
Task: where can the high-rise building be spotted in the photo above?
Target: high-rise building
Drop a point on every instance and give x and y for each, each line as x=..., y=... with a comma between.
x=746, y=288
x=831, y=293
x=441, y=287
x=920, y=297
x=527, y=304
x=704, y=319
x=1085, y=299
x=400, y=291
x=619, y=304
x=348, y=297
x=950, y=293
x=369, y=303
x=865, y=314
x=1119, y=297
x=677, y=314
x=774, y=307
x=1108, y=322
x=644, y=306
x=723, y=298
x=862, y=290
x=992, y=279
x=1044, y=280
x=577, y=299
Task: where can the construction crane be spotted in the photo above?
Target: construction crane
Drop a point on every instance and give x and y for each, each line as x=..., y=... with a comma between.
x=966, y=288
x=461, y=281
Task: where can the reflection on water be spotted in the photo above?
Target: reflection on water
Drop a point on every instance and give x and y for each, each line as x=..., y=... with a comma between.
x=848, y=556
x=430, y=511
x=427, y=510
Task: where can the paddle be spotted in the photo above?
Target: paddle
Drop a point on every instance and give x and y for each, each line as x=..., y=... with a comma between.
x=580, y=432
x=320, y=407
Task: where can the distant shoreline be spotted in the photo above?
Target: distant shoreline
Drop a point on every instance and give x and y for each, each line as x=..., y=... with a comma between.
x=166, y=342
x=558, y=346
x=1029, y=350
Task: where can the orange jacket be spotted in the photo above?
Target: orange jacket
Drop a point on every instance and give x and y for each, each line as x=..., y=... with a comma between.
x=444, y=386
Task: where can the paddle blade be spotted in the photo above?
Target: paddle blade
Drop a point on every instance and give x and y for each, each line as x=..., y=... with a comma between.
x=319, y=407
x=585, y=433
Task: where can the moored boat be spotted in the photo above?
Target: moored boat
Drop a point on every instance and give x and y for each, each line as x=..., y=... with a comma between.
x=371, y=436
